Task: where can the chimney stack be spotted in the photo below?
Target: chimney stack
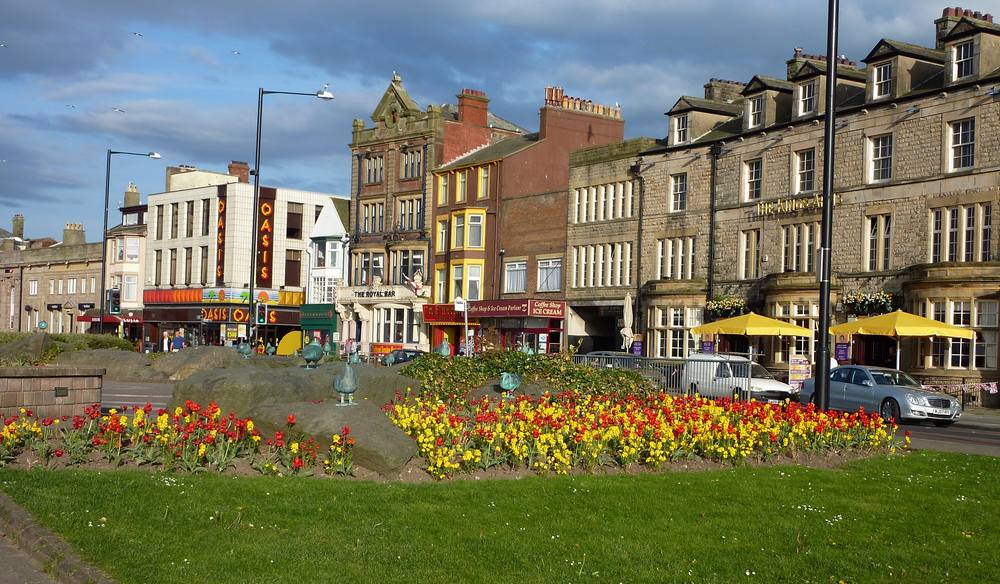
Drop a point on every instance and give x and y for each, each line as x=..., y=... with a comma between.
x=473, y=107
x=240, y=170
x=73, y=234
x=723, y=90
x=556, y=100
x=950, y=17
x=132, y=196
x=17, y=226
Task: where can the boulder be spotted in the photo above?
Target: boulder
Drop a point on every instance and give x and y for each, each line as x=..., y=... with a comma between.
x=186, y=362
x=119, y=365
x=26, y=348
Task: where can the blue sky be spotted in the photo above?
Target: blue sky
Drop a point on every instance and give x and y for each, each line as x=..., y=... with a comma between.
x=187, y=95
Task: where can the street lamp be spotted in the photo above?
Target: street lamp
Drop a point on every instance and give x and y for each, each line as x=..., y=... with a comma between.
x=104, y=232
x=323, y=94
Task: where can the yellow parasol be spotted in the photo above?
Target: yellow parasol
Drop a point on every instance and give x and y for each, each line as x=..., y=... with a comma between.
x=901, y=324
x=752, y=325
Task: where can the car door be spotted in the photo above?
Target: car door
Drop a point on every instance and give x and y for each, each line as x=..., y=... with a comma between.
x=722, y=379
x=838, y=379
x=858, y=394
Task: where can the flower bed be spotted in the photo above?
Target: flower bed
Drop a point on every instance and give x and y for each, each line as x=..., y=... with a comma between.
x=191, y=438
x=569, y=430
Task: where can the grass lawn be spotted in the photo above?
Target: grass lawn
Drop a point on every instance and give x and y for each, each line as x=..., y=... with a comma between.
x=925, y=517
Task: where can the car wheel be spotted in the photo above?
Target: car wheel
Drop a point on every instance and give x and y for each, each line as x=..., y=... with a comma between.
x=890, y=409
x=943, y=423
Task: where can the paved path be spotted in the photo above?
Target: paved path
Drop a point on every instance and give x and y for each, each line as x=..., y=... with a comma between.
x=128, y=393
x=17, y=568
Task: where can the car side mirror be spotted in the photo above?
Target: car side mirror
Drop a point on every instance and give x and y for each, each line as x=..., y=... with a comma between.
x=868, y=383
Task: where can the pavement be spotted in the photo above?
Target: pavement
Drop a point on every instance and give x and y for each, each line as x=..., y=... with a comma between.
x=980, y=419
x=115, y=394
x=18, y=567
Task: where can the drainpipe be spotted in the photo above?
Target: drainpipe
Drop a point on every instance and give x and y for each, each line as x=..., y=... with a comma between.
x=20, y=296
x=715, y=151
x=640, y=323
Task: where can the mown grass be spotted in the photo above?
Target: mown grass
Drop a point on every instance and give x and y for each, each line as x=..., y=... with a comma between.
x=923, y=517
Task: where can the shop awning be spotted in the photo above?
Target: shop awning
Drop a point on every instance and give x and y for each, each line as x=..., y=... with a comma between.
x=901, y=324
x=131, y=315
x=752, y=325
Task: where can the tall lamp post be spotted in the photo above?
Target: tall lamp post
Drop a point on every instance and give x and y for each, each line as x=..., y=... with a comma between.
x=323, y=94
x=104, y=232
x=826, y=230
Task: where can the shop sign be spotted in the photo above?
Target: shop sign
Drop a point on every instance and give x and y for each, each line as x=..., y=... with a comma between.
x=265, y=237
x=131, y=317
x=233, y=314
x=507, y=308
x=220, y=240
x=790, y=205
x=841, y=351
x=85, y=306
x=54, y=307
x=547, y=308
x=444, y=314
x=799, y=369
x=377, y=293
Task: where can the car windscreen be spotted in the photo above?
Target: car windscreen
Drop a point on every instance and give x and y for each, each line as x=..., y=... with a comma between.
x=756, y=370
x=893, y=378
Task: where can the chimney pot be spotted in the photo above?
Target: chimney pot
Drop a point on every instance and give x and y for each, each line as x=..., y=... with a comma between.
x=17, y=226
x=241, y=170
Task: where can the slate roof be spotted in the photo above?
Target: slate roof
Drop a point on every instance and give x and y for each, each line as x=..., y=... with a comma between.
x=968, y=26
x=819, y=67
x=689, y=103
x=449, y=111
x=496, y=151
x=901, y=48
x=343, y=208
x=759, y=82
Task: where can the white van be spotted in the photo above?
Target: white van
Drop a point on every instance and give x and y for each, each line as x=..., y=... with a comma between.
x=720, y=375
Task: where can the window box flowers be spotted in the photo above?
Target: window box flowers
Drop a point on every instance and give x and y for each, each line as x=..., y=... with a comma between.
x=868, y=303
x=726, y=306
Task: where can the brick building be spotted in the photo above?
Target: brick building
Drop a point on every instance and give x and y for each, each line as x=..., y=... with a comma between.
x=47, y=281
x=733, y=199
x=500, y=227
x=390, y=185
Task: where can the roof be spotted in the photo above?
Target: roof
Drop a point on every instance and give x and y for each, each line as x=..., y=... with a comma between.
x=4, y=233
x=968, y=26
x=496, y=151
x=139, y=229
x=449, y=111
x=813, y=68
x=889, y=47
x=343, y=208
x=688, y=103
x=760, y=82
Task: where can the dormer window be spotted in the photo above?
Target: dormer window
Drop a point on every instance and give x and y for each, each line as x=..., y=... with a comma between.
x=963, y=60
x=755, y=111
x=883, y=80
x=680, y=129
x=807, y=98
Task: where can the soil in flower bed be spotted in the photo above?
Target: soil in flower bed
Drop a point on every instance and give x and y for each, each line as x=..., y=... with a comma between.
x=923, y=517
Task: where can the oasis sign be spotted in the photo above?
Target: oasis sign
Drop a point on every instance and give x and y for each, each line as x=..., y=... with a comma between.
x=220, y=240
x=265, y=237
x=229, y=314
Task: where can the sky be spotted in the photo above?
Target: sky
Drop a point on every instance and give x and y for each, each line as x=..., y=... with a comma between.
x=181, y=78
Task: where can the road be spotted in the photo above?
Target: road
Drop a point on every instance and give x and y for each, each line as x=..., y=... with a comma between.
x=957, y=438
x=127, y=393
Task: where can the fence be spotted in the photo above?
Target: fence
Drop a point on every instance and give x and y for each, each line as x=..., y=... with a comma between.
x=712, y=375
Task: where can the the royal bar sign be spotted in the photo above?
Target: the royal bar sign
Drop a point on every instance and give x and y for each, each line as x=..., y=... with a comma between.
x=515, y=308
x=786, y=206
x=220, y=240
x=265, y=237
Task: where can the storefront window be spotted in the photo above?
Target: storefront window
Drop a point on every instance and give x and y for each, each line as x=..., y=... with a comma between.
x=396, y=325
x=978, y=353
x=672, y=331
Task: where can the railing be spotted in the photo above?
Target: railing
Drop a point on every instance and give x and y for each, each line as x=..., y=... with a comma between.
x=680, y=377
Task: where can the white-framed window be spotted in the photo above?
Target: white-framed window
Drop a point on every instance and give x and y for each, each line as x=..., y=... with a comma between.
x=880, y=155
x=807, y=98
x=457, y=280
x=515, y=277
x=756, y=111
x=132, y=249
x=799, y=244
x=879, y=242
x=963, y=144
x=962, y=233
x=458, y=232
x=413, y=161
x=442, y=235
x=52, y=286
x=71, y=286
x=405, y=264
x=604, y=264
x=32, y=287
x=672, y=334
x=754, y=178
x=883, y=80
x=463, y=186
x=964, y=64
x=680, y=129
x=805, y=170
x=130, y=287
x=395, y=325
x=409, y=214
x=374, y=169
x=60, y=286
x=373, y=217
x=93, y=285
x=484, y=182
x=675, y=258
x=476, y=230
x=549, y=275
x=678, y=191
x=441, y=285
x=475, y=283
x=443, y=189
x=749, y=254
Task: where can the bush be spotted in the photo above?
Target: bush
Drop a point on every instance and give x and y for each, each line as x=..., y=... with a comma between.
x=451, y=378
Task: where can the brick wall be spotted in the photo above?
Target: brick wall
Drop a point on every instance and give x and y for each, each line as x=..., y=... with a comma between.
x=35, y=388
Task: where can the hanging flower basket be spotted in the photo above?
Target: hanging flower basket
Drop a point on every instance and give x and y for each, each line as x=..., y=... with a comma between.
x=868, y=303
x=726, y=306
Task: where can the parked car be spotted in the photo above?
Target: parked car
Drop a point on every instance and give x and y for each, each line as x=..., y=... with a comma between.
x=397, y=356
x=651, y=369
x=721, y=375
x=890, y=392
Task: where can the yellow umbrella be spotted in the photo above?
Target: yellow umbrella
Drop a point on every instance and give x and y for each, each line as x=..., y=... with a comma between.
x=901, y=324
x=752, y=325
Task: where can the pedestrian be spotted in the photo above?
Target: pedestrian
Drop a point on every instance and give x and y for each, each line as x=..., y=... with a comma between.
x=833, y=363
x=165, y=342
x=178, y=342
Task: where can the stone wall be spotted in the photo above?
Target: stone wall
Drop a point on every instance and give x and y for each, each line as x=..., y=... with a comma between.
x=49, y=391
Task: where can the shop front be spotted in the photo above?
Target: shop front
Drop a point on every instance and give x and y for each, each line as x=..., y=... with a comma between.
x=319, y=321
x=538, y=324
x=446, y=324
x=379, y=318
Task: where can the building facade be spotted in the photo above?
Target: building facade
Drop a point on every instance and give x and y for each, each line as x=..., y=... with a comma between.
x=733, y=201
x=500, y=227
x=390, y=222
x=198, y=256
x=328, y=245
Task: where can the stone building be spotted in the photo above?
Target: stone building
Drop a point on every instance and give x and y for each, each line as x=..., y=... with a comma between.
x=45, y=284
x=390, y=226
x=500, y=227
x=734, y=195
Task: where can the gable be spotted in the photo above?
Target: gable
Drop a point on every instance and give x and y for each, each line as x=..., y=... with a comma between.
x=395, y=103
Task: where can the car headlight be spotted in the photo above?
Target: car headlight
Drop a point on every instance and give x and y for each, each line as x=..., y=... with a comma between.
x=917, y=400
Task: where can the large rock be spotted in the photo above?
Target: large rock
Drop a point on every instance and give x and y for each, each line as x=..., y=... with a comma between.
x=187, y=362
x=26, y=348
x=269, y=394
x=120, y=365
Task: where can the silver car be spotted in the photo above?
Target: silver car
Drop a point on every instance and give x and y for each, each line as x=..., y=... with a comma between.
x=890, y=392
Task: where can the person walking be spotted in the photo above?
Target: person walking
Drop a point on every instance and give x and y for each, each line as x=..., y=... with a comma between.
x=178, y=342
x=165, y=342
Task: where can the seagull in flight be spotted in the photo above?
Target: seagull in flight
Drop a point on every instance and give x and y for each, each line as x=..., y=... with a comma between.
x=70, y=106
x=137, y=34
x=118, y=109
x=235, y=52
x=3, y=45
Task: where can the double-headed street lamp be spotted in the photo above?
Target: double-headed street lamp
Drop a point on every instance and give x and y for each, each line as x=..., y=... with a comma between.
x=323, y=94
x=104, y=232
